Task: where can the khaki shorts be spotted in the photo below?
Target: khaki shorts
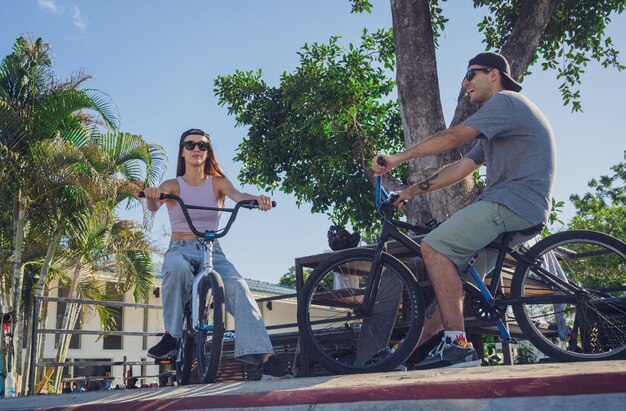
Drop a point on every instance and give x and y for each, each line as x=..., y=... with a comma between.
x=472, y=228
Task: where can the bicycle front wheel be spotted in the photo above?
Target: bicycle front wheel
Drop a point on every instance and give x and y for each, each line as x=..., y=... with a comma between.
x=582, y=325
x=210, y=335
x=331, y=314
x=184, y=352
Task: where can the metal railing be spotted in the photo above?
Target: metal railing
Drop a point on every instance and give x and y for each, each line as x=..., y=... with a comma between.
x=34, y=364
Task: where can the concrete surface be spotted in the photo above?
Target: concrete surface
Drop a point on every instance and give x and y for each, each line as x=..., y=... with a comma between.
x=567, y=386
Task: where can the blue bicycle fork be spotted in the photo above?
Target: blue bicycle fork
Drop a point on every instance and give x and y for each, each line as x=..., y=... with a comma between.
x=504, y=333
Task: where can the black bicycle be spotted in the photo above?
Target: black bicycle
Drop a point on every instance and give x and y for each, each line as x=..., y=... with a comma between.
x=362, y=309
x=203, y=321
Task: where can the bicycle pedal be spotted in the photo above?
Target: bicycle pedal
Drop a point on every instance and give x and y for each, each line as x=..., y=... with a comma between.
x=165, y=361
x=511, y=341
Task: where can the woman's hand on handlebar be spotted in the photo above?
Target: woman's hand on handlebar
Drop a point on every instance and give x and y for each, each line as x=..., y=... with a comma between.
x=382, y=163
x=153, y=197
x=265, y=202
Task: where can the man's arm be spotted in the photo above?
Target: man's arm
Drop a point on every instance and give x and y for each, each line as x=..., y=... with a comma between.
x=437, y=143
x=450, y=174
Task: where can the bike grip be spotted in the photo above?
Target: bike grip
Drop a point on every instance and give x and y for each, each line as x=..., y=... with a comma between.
x=393, y=197
x=256, y=203
x=141, y=194
x=381, y=161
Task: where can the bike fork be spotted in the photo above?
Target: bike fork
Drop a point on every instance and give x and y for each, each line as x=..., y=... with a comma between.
x=504, y=333
x=195, y=288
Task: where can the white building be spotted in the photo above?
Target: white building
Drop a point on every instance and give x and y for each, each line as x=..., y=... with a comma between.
x=134, y=348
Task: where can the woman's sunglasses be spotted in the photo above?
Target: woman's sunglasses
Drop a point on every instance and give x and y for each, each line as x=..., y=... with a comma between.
x=202, y=145
x=469, y=75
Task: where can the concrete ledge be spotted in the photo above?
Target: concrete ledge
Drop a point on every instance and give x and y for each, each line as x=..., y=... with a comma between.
x=541, y=387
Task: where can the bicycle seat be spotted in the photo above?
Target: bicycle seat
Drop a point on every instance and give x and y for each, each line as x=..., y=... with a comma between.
x=536, y=229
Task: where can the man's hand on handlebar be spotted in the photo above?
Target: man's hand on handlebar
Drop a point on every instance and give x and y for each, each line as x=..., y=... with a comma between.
x=382, y=163
x=401, y=197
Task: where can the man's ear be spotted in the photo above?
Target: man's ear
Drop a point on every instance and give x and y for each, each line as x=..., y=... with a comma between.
x=496, y=76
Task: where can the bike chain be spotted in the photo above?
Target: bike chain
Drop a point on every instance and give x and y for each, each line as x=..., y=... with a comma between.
x=481, y=309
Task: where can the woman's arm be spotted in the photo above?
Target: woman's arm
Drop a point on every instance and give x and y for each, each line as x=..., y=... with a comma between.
x=153, y=194
x=226, y=189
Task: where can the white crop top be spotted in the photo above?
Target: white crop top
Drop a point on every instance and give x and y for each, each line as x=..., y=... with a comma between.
x=203, y=196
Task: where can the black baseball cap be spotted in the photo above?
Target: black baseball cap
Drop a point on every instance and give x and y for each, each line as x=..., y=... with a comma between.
x=194, y=131
x=497, y=61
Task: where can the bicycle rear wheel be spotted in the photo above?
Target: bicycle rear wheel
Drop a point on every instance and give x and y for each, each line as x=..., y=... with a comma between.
x=592, y=324
x=330, y=314
x=210, y=336
x=184, y=352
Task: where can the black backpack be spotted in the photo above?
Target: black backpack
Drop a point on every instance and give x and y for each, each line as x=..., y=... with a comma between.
x=339, y=238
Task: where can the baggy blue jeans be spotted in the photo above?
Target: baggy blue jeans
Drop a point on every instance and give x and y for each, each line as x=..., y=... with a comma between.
x=182, y=261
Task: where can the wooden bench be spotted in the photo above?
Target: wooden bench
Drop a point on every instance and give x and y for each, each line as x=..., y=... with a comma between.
x=475, y=328
x=285, y=348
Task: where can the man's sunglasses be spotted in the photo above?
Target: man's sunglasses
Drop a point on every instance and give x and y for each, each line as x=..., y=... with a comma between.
x=469, y=75
x=202, y=145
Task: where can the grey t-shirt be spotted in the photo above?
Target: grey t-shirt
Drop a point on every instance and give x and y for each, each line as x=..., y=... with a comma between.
x=517, y=147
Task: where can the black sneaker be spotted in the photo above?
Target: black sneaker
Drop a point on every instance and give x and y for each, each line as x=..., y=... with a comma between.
x=164, y=348
x=275, y=369
x=449, y=355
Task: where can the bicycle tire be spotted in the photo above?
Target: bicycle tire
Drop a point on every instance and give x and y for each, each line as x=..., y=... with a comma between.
x=594, y=326
x=184, y=352
x=338, y=337
x=210, y=337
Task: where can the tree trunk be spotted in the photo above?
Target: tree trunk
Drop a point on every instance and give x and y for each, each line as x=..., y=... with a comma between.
x=420, y=107
x=43, y=274
x=19, y=219
x=69, y=320
x=41, y=338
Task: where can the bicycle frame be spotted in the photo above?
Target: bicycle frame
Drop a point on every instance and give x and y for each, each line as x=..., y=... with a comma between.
x=207, y=267
x=207, y=239
x=390, y=230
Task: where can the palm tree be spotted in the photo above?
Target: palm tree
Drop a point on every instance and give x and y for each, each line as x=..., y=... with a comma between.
x=34, y=106
x=78, y=200
x=57, y=169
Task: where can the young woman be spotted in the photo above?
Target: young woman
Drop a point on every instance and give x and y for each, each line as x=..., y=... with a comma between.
x=201, y=181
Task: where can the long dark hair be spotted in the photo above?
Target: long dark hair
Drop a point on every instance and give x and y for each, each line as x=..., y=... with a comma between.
x=211, y=166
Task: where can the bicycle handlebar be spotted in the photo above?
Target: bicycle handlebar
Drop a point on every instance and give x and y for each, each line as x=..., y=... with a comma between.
x=388, y=198
x=249, y=204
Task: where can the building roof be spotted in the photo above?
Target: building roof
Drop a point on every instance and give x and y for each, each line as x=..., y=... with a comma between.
x=265, y=287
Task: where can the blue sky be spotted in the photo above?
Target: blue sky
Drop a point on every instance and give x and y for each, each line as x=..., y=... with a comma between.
x=157, y=60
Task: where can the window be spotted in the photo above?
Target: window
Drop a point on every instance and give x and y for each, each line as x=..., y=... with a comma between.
x=92, y=370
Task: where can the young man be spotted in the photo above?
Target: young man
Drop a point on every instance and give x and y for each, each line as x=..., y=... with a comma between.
x=516, y=144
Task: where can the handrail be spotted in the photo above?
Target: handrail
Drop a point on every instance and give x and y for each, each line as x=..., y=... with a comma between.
x=96, y=302
x=36, y=330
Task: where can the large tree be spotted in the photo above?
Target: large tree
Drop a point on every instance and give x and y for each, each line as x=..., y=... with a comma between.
x=34, y=106
x=604, y=209
x=315, y=133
